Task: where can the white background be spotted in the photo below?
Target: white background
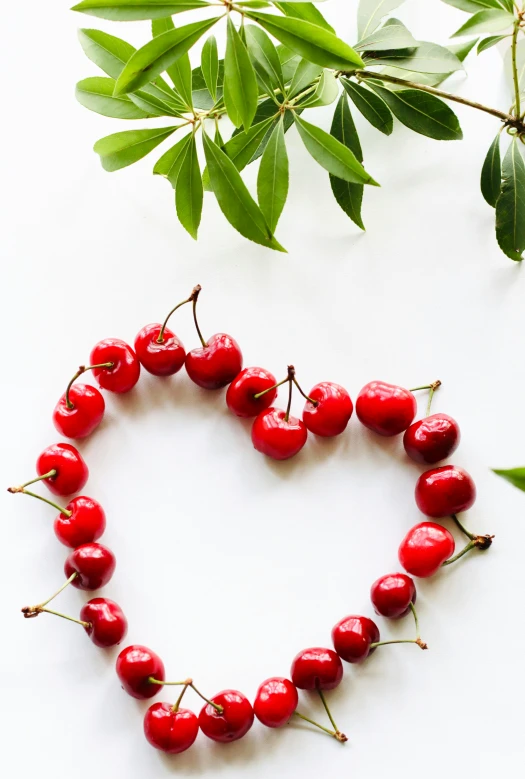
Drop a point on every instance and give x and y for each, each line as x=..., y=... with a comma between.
x=229, y=564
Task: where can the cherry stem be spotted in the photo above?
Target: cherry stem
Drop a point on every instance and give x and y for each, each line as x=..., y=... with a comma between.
x=49, y=475
x=193, y=297
x=291, y=377
x=334, y=733
x=34, y=611
x=479, y=542
x=65, y=512
x=82, y=369
x=463, y=528
x=310, y=400
x=176, y=705
x=188, y=683
x=421, y=644
x=279, y=384
x=432, y=387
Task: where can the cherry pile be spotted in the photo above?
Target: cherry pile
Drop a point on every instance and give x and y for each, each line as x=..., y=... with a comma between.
x=385, y=409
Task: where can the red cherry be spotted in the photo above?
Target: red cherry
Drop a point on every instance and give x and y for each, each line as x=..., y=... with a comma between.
x=233, y=723
x=126, y=368
x=71, y=470
x=425, y=548
x=317, y=669
x=392, y=595
x=160, y=359
x=333, y=410
x=352, y=637
x=86, y=414
x=168, y=730
x=276, y=436
x=275, y=702
x=107, y=623
x=215, y=365
x=250, y=382
x=86, y=523
x=445, y=491
x=432, y=439
x=135, y=666
x=385, y=408
x=94, y=565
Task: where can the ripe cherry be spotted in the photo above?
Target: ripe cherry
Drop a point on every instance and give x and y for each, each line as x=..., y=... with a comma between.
x=82, y=415
x=125, y=370
x=241, y=395
x=106, y=622
x=385, y=408
x=62, y=468
x=161, y=358
x=275, y=702
x=277, y=434
x=136, y=667
x=425, y=548
x=230, y=724
x=445, y=491
x=432, y=439
x=93, y=564
x=353, y=636
x=317, y=669
x=82, y=521
x=392, y=595
x=330, y=413
x=170, y=730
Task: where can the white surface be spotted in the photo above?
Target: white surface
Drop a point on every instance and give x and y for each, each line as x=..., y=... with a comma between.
x=229, y=564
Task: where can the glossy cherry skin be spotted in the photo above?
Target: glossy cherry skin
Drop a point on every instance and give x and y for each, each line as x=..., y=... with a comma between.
x=385, y=408
x=333, y=411
x=352, y=638
x=170, y=731
x=240, y=394
x=107, y=622
x=135, y=665
x=392, y=595
x=275, y=702
x=425, y=548
x=160, y=359
x=94, y=565
x=317, y=669
x=86, y=523
x=86, y=414
x=234, y=722
x=125, y=372
x=216, y=364
x=432, y=439
x=72, y=472
x=276, y=436
x=445, y=491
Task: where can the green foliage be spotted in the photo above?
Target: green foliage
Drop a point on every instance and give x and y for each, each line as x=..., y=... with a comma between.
x=349, y=196
x=515, y=476
x=491, y=173
x=510, y=207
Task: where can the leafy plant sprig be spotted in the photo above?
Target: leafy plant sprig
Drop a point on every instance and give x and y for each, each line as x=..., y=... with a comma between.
x=264, y=88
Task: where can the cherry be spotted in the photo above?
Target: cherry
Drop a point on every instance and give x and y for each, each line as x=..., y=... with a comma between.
x=432, y=439
x=277, y=434
x=136, y=667
x=353, y=636
x=161, y=358
x=170, y=730
x=317, y=669
x=82, y=521
x=425, y=548
x=275, y=702
x=62, y=468
x=230, y=724
x=93, y=564
x=385, y=408
x=125, y=370
x=106, y=624
x=445, y=491
x=392, y=595
x=84, y=413
x=241, y=394
x=331, y=411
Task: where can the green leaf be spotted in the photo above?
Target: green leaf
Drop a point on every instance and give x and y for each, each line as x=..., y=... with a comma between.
x=267, y=110
x=189, y=193
x=310, y=41
x=106, y=51
x=427, y=58
x=425, y=114
x=492, y=20
x=159, y=54
x=306, y=72
x=471, y=6
x=122, y=149
x=390, y=36
x=488, y=43
x=491, y=173
x=326, y=91
x=180, y=71
x=332, y=155
x=235, y=202
x=510, y=208
x=264, y=57
x=520, y=64
x=132, y=10
x=97, y=95
x=242, y=147
x=515, y=476
x=306, y=11
x=210, y=65
x=370, y=13
x=201, y=95
x=273, y=177
x=154, y=102
x=349, y=196
x=241, y=91
x=462, y=50
x=289, y=61
x=371, y=106
x=170, y=163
